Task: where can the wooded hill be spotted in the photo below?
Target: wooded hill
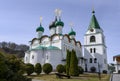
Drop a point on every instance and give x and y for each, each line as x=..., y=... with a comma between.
x=13, y=48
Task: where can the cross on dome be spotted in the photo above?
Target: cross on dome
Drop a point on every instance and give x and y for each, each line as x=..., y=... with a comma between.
x=41, y=18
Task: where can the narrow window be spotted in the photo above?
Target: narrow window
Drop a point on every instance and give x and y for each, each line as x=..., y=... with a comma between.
x=32, y=56
x=26, y=58
x=94, y=50
x=90, y=50
x=92, y=39
x=90, y=60
x=95, y=60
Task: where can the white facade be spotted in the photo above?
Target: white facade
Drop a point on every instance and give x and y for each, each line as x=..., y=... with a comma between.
x=53, y=49
x=95, y=48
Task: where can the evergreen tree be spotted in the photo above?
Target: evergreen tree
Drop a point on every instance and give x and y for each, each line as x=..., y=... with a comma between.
x=73, y=64
x=38, y=68
x=68, y=62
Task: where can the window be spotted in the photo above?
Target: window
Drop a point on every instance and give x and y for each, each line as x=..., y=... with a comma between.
x=26, y=58
x=90, y=60
x=92, y=39
x=32, y=56
x=94, y=50
x=47, y=57
x=95, y=60
x=90, y=50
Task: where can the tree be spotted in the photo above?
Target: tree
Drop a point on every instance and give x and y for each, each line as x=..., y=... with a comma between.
x=38, y=68
x=68, y=62
x=9, y=69
x=73, y=64
x=29, y=69
x=47, y=68
x=60, y=68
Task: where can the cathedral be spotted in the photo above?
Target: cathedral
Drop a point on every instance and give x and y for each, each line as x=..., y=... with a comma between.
x=53, y=48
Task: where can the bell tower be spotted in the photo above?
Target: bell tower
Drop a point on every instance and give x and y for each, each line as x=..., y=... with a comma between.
x=95, y=47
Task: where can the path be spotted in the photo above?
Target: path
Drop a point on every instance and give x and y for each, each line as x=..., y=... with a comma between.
x=116, y=77
x=36, y=80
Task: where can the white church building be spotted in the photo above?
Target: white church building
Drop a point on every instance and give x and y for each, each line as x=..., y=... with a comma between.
x=53, y=48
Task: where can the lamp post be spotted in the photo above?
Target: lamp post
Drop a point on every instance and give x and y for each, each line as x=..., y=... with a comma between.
x=99, y=73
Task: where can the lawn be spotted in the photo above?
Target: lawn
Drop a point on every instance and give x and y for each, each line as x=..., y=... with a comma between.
x=83, y=77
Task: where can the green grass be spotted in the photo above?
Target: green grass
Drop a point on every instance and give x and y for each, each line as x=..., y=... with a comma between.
x=83, y=77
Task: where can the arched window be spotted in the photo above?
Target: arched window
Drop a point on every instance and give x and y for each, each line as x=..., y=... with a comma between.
x=90, y=60
x=92, y=39
x=90, y=50
x=94, y=50
x=95, y=60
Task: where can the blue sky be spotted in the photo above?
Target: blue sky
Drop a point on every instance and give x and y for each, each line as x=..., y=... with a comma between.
x=20, y=18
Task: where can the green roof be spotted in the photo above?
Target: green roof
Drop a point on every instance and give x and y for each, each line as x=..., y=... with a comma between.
x=59, y=23
x=52, y=48
x=94, y=23
x=72, y=32
x=39, y=47
x=40, y=28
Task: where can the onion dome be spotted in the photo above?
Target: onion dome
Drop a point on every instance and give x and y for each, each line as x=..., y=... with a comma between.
x=72, y=32
x=40, y=28
x=59, y=23
x=52, y=25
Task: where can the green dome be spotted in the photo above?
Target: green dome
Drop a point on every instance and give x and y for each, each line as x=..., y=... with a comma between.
x=72, y=32
x=40, y=28
x=59, y=23
x=52, y=48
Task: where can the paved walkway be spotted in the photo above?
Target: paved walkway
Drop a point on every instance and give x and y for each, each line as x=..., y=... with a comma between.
x=116, y=77
x=36, y=80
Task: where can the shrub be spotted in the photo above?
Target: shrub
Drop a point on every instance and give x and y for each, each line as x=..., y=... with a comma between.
x=29, y=69
x=80, y=69
x=60, y=68
x=47, y=68
x=38, y=68
x=118, y=71
x=93, y=69
x=104, y=71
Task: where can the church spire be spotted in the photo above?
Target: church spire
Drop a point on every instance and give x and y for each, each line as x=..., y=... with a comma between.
x=94, y=23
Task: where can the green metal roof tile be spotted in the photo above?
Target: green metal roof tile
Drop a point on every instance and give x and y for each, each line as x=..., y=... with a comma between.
x=94, y=23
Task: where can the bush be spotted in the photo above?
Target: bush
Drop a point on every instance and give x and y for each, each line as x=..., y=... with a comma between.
x=73, y=71
x=104, y=71
x=80, y=69
x=93, y=69
x=47, y=68
x=60, y=68
x=38, y=68
x=29, y=69
x=118, y=71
